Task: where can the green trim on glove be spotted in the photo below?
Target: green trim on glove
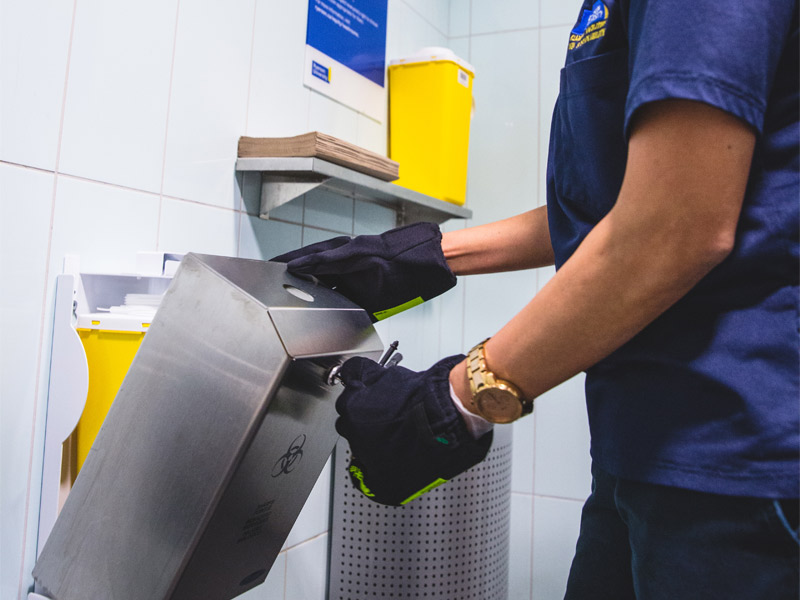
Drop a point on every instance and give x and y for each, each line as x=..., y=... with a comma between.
x=424, y=490
x=389, y=312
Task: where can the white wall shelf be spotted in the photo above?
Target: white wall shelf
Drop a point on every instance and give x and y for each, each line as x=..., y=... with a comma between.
x=284, y=179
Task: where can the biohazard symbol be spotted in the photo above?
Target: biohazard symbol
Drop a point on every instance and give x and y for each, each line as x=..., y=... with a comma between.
x=286, y=463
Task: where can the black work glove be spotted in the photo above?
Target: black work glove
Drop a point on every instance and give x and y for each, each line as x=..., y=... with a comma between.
x=384, y=274
x=406, y=435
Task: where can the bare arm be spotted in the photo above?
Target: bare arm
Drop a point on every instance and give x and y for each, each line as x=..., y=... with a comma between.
x=521, y=242
x=674, y=220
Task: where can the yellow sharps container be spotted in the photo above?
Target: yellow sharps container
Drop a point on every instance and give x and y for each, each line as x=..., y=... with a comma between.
x=430, y=106
x=110, y=343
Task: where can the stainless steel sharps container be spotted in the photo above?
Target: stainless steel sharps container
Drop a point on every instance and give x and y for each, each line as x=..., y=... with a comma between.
x=214, y=442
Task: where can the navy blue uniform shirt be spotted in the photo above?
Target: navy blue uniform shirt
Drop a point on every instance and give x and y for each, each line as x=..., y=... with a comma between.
x=706, y=397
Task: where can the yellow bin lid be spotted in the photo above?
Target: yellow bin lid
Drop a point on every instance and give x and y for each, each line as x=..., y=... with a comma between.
x=433, y=54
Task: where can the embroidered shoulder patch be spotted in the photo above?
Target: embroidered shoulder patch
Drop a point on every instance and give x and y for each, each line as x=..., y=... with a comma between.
x=592, y=25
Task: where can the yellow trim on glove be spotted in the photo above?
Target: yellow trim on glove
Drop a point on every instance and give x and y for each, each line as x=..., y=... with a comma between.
x=425, y=490
x=358, y=474
x=385, y=314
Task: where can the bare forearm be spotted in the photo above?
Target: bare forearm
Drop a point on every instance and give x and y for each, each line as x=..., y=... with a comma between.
x=521, y=242
x=674, y=220
x=606, y=293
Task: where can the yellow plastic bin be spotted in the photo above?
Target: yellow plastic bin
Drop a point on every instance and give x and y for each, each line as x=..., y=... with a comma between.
x=430, y=106
x=110, y=343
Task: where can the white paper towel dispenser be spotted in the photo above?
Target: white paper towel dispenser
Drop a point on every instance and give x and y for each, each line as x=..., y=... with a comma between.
x=214, y=441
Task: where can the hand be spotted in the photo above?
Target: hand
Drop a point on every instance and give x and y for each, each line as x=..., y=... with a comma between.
x=384, y=274
x=406, y=436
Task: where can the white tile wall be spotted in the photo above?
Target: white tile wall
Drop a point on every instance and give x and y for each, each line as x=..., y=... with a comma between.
x=372, y=218
x=208, y=99
x=518, y=48
x=263, y=240
x=556, y=524
x=372, y=135
x=408, y=32
x=328, y=116
x=459, y=18
x=327, y=210
x=115, y=116
x=278, y=103
x=555, y=12
x=306, y=571
x=152, y=102
x=561, y=451
x=314, y=519
x=26, y=197
x=437, y=14
x=489, y=16
x=520, y=550
x=189, y=227
x=103, y=224
x=34, y=46
x=503, y=142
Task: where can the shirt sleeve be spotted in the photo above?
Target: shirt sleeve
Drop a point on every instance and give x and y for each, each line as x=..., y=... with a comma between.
x=722, y=53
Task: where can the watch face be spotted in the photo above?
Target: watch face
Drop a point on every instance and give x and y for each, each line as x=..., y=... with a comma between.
x=498, y=405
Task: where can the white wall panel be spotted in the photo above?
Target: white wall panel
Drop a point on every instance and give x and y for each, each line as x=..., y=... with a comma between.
x=25, y=204
x=279, y=103
x=105, y=225
x=34, y=46
x=208, y=102
x=118, y=90
x=556, y=524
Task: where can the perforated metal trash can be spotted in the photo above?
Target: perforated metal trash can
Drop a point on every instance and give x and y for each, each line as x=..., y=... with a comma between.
x=452, y=543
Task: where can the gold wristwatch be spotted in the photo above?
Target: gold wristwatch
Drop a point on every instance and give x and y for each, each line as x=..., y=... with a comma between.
x=494, y=399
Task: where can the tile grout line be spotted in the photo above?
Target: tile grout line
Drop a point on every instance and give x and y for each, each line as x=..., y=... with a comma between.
x=424, y=18
x=36, y=388
x=246, y=125
x=166, y=125
x=28, y=167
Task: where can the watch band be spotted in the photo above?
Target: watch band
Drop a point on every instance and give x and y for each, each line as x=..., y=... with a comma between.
x=487, y=389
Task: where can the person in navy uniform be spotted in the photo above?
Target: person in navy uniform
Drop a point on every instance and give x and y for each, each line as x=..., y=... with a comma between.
x=672, y=219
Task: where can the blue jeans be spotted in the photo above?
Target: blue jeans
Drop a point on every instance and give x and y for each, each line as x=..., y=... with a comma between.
x=652, y=542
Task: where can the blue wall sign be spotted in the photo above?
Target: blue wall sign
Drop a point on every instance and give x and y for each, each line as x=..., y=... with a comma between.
x=345, y=43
